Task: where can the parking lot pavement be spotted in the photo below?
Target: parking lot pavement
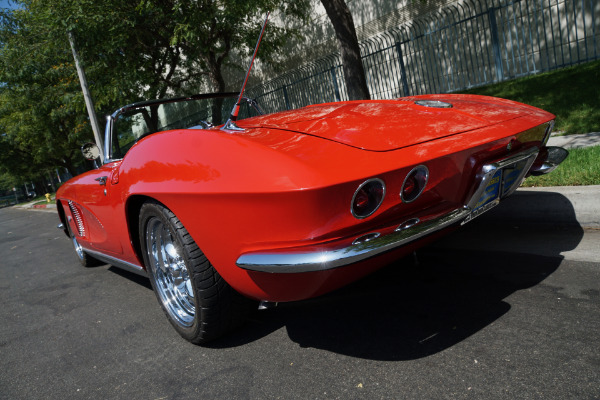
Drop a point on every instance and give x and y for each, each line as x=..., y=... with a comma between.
x=485, y=320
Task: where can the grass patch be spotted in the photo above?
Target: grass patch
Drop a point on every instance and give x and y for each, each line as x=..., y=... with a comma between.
x=580, y=168
x=572, y=94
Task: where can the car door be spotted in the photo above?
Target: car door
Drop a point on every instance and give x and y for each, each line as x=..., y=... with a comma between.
x=99, y=198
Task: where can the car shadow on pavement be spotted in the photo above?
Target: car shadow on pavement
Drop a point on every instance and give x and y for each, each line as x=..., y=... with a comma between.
x=140, y=280
x=410, y=309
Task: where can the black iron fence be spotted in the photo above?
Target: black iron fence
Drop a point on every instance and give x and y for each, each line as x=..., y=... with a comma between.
x=464, y=45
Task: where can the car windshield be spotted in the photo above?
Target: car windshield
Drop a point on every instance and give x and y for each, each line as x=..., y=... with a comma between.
x=133, y=122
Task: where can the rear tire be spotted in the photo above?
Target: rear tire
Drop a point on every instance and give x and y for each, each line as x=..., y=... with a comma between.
x=199, y=304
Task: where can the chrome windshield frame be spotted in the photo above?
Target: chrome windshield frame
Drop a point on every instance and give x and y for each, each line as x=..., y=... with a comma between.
x=110, y=119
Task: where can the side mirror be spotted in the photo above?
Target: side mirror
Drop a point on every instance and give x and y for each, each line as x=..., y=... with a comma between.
x=90, y=151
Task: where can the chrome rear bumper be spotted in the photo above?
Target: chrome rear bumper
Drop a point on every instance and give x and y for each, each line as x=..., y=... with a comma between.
x=552, y=157
x=296, y=262
x=326, y=256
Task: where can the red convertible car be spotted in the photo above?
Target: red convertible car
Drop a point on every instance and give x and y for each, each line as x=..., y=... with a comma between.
x=290, y=205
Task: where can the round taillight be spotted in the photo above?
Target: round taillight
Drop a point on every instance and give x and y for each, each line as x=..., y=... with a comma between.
x=414, y=183
x=367, y=198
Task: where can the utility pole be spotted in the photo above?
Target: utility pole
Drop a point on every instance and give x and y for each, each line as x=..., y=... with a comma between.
x=89, y=103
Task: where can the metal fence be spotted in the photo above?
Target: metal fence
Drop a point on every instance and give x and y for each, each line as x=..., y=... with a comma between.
x=464, y=45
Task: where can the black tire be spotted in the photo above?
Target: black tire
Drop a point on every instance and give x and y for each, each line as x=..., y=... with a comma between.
x=199, y=304
x=84, y=258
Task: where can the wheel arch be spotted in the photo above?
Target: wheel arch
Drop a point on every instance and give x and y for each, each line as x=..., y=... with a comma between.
x=132, y=215
x=63, y=217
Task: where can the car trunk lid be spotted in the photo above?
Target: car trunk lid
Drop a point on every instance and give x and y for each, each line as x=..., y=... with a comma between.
x=383, y=125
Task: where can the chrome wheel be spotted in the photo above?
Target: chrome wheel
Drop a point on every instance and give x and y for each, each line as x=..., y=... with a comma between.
x=78, y=248
x=169, y=271
x=84, y=258
x=198, y=302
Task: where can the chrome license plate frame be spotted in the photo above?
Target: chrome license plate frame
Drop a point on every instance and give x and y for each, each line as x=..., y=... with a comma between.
x=490, y=197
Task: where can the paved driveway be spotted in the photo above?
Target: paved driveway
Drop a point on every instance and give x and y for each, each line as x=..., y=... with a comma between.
x=468, y=321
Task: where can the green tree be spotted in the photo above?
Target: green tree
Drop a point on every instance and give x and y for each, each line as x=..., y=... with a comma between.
x=131, y=51
x=41, y=116
x=153, y=48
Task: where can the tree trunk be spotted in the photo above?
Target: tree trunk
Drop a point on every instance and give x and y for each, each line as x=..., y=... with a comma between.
x=218, y=83
x=51, y=184
x=39, y=188
x=354, y=73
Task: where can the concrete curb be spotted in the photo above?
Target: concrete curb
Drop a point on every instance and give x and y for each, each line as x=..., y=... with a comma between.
x=43, y=206
x=560, y=205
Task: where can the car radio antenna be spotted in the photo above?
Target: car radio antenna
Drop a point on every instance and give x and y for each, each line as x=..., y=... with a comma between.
x=230, y=125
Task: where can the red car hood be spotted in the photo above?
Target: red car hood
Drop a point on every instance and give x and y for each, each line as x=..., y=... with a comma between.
x=382, y=125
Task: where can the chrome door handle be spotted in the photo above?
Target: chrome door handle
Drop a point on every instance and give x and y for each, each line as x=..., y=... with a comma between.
x=101, y=180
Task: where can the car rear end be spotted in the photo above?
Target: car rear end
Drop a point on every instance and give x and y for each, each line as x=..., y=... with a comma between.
x=398, y=200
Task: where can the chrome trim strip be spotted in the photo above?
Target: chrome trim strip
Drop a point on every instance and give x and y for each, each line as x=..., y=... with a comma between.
x=127, y=266
x=433, y=103
x=288, y=263
x=110, y=119
x=548, y=132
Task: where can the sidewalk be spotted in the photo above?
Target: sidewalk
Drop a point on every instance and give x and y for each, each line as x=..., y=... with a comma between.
x=32, y=206
x=558, y=205
x=537, y=204
x=575, y=141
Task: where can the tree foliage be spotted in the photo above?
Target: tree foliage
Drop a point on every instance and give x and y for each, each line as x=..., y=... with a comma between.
x=41, y=118
x=131, y=50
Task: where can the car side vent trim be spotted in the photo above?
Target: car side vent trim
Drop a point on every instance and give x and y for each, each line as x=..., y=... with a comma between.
x=78, y=218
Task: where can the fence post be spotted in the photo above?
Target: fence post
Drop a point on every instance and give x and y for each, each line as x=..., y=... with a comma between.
x=405, y=91
x=285, y=96
x=335, y=84
x=495, y=43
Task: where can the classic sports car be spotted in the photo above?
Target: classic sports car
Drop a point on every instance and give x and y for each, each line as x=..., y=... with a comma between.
x=290, y=205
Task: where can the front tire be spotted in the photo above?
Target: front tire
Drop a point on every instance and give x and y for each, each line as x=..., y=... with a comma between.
x=84, y=258
x=199, y=304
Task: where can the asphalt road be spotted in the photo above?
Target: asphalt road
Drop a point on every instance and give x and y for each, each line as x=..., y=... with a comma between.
x=496, y=311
